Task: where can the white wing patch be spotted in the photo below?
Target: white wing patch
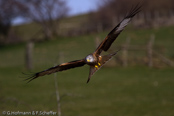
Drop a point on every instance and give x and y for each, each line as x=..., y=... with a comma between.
x=123, y=24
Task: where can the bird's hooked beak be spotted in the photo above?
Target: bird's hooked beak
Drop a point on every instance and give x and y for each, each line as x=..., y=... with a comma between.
x=88, y=60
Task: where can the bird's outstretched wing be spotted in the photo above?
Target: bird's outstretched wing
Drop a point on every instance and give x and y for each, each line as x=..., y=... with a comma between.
x=103, y=60
x=106, y=43
x=61, y=67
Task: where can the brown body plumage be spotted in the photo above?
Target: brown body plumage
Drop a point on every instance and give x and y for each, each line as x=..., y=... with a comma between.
x=94, y=60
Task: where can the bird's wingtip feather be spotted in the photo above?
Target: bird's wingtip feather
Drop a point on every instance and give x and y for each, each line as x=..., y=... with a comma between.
x=30, y=77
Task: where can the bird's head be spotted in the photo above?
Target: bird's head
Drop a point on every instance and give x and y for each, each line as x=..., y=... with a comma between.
x=90, y=59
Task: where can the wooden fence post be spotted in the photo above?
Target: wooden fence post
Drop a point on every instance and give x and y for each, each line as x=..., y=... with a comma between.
x=150, y=50
x=125, y=52
x=97, y=42
x=29, y=55
x=61, y=57
x=57, y=95
x=99, y=27
x=61, y=60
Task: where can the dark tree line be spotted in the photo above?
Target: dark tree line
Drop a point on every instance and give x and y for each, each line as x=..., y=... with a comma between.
x=48, y=13
x=110, y=11
x=45, y=13
x=9, y=10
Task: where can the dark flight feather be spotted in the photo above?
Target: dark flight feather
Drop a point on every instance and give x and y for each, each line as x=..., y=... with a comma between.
x=104, y=59
x=110, y=38
x=61, y=67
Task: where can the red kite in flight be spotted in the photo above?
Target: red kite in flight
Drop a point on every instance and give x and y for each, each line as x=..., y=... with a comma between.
x=94, y=60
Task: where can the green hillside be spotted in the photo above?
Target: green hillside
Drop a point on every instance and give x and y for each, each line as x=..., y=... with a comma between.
x=27, y=31
x=113, y=91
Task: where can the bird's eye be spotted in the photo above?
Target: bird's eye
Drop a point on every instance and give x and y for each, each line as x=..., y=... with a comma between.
x=89, y=59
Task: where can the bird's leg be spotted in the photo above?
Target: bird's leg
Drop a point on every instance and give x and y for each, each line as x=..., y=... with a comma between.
x=98, y=65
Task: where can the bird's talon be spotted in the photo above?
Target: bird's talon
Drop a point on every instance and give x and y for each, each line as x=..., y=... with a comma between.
x=96, y=66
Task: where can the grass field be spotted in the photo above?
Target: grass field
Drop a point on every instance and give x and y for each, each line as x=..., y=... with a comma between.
x=112, y=91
